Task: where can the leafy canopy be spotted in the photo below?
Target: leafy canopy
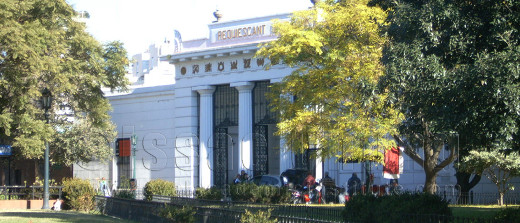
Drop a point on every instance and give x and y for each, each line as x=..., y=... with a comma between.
x=43, y=46
x=452, y=67
x=498, y=166
x=330, y=98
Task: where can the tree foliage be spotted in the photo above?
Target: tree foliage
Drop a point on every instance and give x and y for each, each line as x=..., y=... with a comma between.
x=497, y=166
x=43, y=46
x=452, y=67
x=330, y=98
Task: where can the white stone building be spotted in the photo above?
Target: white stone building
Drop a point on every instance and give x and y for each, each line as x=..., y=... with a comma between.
x=207, y=120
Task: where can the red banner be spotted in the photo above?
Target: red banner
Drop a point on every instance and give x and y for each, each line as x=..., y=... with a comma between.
x=124, y=147
x=391, y=168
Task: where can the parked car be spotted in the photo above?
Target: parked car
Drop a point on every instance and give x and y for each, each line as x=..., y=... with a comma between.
x=269, y=179
x=294, y=176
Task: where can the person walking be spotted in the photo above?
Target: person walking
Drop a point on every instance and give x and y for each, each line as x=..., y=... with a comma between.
x=103, y=187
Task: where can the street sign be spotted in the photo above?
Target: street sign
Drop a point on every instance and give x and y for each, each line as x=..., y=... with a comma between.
x=5, y=150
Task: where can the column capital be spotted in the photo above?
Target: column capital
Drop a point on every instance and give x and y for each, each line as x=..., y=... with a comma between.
x=206, y=89
x=243, y=86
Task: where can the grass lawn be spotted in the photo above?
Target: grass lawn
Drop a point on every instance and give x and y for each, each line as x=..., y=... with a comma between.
x=477, y=211
x=40, y=216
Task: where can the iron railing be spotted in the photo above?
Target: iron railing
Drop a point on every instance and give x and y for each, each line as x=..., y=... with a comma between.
x=450, y=194
x=230, y=212
x=28, y=192
x=209, y=211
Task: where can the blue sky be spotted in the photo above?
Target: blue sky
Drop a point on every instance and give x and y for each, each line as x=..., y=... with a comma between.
x=139, y=23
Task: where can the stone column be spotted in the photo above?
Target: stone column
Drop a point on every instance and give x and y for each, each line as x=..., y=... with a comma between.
x=206, y=135
x=245, y=125
x=286, y=155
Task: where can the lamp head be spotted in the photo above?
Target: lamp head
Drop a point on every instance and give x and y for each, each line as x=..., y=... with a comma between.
x=46, y=99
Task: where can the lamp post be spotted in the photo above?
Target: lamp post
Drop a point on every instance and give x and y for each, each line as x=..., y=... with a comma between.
x=133, y=140
x=46, y=104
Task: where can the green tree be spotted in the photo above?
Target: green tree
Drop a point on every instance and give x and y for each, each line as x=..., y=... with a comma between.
x=331, y=98
x=497, y=166
x=452, y=67
x=43, y=46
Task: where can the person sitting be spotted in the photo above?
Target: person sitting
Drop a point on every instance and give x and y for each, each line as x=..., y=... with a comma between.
x=309, y=180
x=243, y=176
x=237, y=179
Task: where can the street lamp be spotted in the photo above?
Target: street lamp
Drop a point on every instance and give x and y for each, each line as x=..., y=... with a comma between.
x=133, y=140
x=46, y=105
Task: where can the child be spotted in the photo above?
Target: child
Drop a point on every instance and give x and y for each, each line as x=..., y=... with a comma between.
x=57, y=205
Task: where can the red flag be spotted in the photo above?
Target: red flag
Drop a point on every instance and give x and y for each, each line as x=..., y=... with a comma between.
x=391, y=168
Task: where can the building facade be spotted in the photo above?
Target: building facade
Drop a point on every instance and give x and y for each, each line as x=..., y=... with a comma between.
x=212, y=120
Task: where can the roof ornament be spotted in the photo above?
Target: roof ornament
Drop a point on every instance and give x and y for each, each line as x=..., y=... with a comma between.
x=217, y=15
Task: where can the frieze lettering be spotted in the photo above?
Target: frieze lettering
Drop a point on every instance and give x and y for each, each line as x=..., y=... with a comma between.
x=234, y=65
x=221, y=66
x=207, y=67
x=260, y=62
x=247, y=63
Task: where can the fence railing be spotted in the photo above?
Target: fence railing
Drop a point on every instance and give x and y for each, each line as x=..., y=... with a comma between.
x=136, y=193
x=478, y=198
x=28, y=192
x=449, y=193
x=211, y=211
x=229, y=212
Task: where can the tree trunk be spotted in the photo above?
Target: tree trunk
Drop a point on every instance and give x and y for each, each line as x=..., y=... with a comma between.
x=430, y=184
x=501, y=199
x=429, y=162
x=465, y=183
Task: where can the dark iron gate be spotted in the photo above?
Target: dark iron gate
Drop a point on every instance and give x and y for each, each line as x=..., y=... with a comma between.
x=262, y=118
x=225, y=115
x=260, y=155
x=220, y=159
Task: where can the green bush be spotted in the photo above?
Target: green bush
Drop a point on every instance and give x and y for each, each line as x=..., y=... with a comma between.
x=159, y=187
x=243, y=192
x=508, y=215
x=38, y=189
x=124, y=191
x=6, y=197
x=265, y=194
x=175, y=214
x=212, y=193
x=79, y=194
x=259, y=216
x=125, y=194
x=369, y=208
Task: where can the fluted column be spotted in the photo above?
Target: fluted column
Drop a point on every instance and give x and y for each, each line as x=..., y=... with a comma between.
x=206, y=133
x=245, y=125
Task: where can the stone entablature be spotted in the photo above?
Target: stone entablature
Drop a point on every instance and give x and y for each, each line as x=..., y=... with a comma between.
x=217, y=62
x=243, y=31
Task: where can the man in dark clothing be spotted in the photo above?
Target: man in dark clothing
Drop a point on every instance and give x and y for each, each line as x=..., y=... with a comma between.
x=327, y=181
x=354, y=184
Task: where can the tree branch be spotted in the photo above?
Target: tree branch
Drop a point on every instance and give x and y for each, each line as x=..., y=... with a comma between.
x=448, y=160
x=410, y=151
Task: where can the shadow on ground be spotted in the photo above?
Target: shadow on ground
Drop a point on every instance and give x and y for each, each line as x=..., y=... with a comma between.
x=36, y=216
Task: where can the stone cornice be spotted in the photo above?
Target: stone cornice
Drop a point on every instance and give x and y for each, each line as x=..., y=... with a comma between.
x=212, y=53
